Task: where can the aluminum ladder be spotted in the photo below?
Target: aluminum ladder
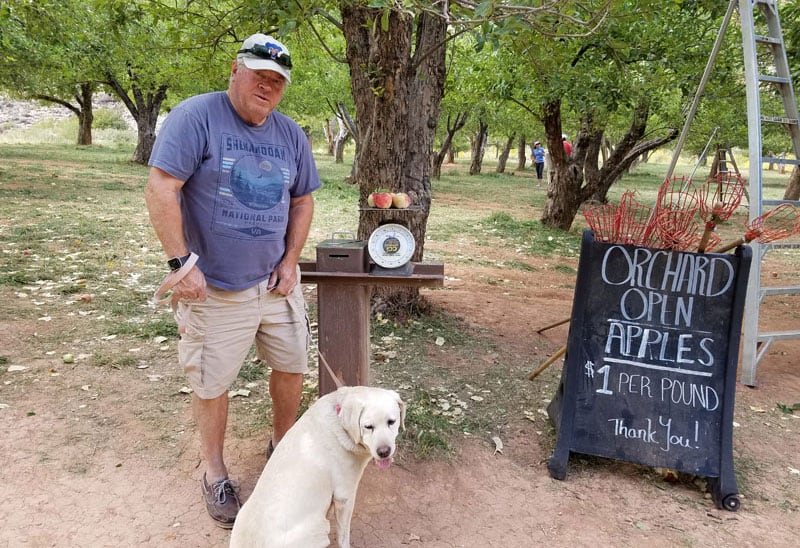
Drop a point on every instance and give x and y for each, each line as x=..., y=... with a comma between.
x=766, y=72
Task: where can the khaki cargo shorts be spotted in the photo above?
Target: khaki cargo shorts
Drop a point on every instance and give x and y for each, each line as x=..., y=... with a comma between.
x=219, y=332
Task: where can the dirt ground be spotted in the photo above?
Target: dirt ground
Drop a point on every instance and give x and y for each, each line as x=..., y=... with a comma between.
x=97, y=456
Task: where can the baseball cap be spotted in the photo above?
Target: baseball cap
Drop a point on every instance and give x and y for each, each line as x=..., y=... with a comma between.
x=262, y=52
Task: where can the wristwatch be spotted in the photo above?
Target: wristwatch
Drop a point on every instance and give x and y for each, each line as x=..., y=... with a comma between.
x=176, y=262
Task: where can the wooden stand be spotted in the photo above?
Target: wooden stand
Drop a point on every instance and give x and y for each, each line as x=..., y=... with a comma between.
x=343, y=301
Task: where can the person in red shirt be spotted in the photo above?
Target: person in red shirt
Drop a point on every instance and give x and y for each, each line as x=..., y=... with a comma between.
x=567, y=145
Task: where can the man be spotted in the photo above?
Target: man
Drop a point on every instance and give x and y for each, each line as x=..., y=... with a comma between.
x=230, y=184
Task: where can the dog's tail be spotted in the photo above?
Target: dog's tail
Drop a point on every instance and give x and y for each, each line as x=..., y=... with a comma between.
x=337, y=380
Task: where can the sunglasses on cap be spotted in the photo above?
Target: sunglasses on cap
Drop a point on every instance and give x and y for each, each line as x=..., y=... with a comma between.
x=280, y=57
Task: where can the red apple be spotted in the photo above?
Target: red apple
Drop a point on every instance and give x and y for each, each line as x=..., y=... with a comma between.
x=382, y=200
x=401, y=200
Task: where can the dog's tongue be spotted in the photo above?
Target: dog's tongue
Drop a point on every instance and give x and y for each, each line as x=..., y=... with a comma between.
x=383, y=464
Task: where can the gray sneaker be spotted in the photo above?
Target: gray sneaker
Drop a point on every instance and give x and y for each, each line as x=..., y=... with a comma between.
x=222, y=502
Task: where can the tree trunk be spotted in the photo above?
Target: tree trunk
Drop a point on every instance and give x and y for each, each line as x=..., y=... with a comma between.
x=342, y=135
x=503, y=159
x=86, y=114
x=326, y=127
x=566, y=192
x=83, y=96
x=447, y=144
x=566, y=177
x=144, y=107
x=478, y=147
x=793, y=188
x=397, y=97
x=522, y=158
x=146, y=133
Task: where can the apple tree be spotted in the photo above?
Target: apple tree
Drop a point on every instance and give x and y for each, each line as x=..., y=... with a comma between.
x=41, y=59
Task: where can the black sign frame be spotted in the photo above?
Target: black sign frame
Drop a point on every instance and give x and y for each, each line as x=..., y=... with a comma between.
x=652, y=354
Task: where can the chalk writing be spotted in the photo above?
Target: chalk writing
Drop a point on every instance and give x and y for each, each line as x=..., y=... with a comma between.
x=651, y=359
x=660, y=352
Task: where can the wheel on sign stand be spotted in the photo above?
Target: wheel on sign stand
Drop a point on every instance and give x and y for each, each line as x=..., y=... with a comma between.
x=731, y=502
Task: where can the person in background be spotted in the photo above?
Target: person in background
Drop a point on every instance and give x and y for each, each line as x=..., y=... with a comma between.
x=230, y=186
x=538, y=152
x=567, y=145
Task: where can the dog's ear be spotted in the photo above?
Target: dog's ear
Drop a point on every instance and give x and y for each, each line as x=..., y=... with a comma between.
x=350, y=409
x=402, y=405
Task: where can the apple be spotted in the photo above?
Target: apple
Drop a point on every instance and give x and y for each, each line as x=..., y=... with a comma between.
x=401, y=200
x=382, y=200
x=371, y=200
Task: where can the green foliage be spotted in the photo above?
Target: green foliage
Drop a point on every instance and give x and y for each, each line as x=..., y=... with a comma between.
x=788, y=409
x=108, y=119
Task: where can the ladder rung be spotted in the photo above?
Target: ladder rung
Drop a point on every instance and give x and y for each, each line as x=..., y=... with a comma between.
x=780, y=290
x=774, y=160
x=779, y=202
x=778, y=335
x=768, y=40
x=774, y=79
x=768, y=3
x=779, y=120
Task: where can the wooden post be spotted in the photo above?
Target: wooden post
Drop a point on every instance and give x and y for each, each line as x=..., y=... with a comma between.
x=343, y=333
x=344, y=316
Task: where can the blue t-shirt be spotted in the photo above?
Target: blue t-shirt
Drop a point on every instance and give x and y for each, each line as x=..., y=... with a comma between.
x=538, y=154
x=239, y=180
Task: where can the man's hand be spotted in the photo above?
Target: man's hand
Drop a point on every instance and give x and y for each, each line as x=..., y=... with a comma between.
x=284, y=279
x=191, y=287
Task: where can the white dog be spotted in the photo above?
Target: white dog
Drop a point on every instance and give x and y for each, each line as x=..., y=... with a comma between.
x=321, y=459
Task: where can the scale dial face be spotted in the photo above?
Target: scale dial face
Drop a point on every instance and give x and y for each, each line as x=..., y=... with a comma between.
x=391, y=245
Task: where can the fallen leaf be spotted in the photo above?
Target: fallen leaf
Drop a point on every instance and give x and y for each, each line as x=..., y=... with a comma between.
x=757, y=409
x=241, y=392
x=13, y=368
x=498, y=445
x=160, y=339
x=185, y=390
x=476, y=398
x=794, y=471
x=4, y=406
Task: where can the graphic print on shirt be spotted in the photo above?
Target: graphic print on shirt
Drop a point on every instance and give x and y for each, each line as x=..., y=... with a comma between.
x=252, y=199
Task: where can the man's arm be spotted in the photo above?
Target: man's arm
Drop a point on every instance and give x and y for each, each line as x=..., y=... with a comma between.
x=301, y=211
x=162, y=198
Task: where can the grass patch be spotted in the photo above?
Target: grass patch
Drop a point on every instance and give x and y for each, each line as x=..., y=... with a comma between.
x=531, y=236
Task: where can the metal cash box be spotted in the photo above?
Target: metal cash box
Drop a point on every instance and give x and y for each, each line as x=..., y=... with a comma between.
x=342, y=255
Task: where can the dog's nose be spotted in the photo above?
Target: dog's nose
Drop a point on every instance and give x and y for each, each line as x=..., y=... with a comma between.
x=384, y=451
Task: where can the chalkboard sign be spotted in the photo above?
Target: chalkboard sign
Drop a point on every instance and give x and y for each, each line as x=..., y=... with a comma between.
x=650, y=371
